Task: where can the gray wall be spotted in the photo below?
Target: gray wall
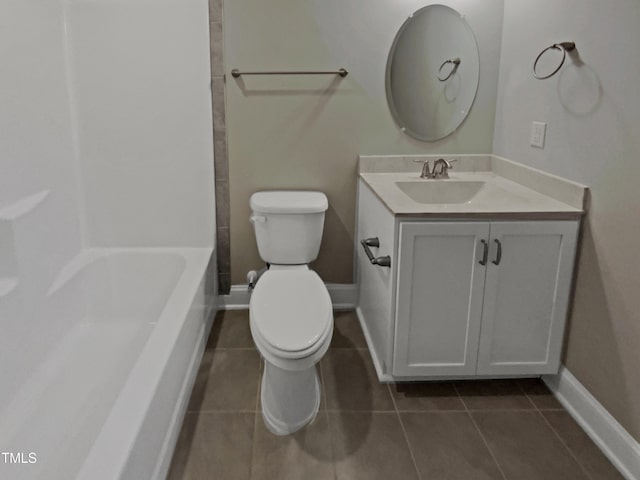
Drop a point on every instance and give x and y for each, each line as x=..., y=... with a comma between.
x=307, y=132
x=593, y=116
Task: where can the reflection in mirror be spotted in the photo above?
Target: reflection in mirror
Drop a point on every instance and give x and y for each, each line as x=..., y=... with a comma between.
x=432, y=73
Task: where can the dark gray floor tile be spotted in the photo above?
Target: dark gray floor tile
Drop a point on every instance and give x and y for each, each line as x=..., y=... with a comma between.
x=588, y=454
x=447, y=445
x=227, y=381
x=307, y=454
x=230, y=330
x=525, y=446
x=363, y=437
x=347, y=332
x=539, y=394
x=370, y=446
x=426, y=396
x=351, y=382
x=214, y=445
x=493, y=395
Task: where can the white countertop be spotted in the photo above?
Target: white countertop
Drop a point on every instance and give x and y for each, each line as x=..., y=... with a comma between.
x=493, y=195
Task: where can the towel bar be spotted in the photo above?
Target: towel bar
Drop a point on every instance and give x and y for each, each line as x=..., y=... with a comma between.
x=342, y=72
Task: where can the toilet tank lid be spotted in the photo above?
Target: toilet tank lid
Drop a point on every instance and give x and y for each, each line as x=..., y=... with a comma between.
x=289, y=201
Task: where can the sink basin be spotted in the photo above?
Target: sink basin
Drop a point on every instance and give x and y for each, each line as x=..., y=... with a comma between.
x=441, y=191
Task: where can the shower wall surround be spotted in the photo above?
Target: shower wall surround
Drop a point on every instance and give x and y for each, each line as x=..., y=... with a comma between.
x=105, y=144
x=140, y=150
x=36, y=163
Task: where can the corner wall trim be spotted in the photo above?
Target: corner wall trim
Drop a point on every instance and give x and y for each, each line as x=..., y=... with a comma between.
x=344, y=296
x=605, y=431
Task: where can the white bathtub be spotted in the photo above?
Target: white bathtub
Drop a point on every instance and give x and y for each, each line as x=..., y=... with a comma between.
x=106, y=398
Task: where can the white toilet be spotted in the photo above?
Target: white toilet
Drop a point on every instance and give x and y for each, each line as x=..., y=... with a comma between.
x=290, y=312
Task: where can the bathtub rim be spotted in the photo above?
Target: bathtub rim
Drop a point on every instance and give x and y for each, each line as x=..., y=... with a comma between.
x=112, y=448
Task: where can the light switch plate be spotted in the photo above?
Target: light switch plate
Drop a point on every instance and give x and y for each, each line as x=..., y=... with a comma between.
x=538, y=132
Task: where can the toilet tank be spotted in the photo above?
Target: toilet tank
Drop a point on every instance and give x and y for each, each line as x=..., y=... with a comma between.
x=288, y=225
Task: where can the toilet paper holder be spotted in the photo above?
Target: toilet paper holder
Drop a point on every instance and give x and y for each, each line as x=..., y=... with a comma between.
x=375, y=242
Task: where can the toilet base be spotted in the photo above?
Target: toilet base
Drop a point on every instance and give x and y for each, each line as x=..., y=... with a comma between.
x=290, y=399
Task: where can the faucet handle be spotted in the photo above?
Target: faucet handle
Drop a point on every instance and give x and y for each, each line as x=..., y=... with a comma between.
x=446, y=162
x=426, y=173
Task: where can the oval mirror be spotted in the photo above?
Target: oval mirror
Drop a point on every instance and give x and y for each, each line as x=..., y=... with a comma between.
x=432, y=73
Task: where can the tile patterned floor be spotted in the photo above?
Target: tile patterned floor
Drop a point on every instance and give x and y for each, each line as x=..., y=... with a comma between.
x=504, y=430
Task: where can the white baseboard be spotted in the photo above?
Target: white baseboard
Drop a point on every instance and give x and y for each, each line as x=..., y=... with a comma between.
x=605, y=431
x=344, y=296
x=237, y=298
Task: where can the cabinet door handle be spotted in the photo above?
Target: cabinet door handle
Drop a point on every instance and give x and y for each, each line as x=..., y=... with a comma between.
x=374, y=242
x=498, y=252
x=485, y=252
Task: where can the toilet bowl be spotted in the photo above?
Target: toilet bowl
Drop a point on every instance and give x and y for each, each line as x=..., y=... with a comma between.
x=290, y=311
x=291, y=323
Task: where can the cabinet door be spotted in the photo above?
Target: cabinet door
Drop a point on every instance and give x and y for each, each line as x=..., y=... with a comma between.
x=439, y=298
x=526, y=297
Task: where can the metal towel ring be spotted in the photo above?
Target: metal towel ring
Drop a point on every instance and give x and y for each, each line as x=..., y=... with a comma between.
x=455, y=62
x=564, y=46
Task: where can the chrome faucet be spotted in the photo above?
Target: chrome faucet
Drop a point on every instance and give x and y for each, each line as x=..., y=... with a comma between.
x=440, y=168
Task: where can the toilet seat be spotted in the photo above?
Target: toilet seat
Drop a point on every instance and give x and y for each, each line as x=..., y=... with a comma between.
x=291, y=312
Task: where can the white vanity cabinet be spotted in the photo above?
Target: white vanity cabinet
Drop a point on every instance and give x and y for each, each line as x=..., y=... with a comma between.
x=463, y=297
x=482, y=298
